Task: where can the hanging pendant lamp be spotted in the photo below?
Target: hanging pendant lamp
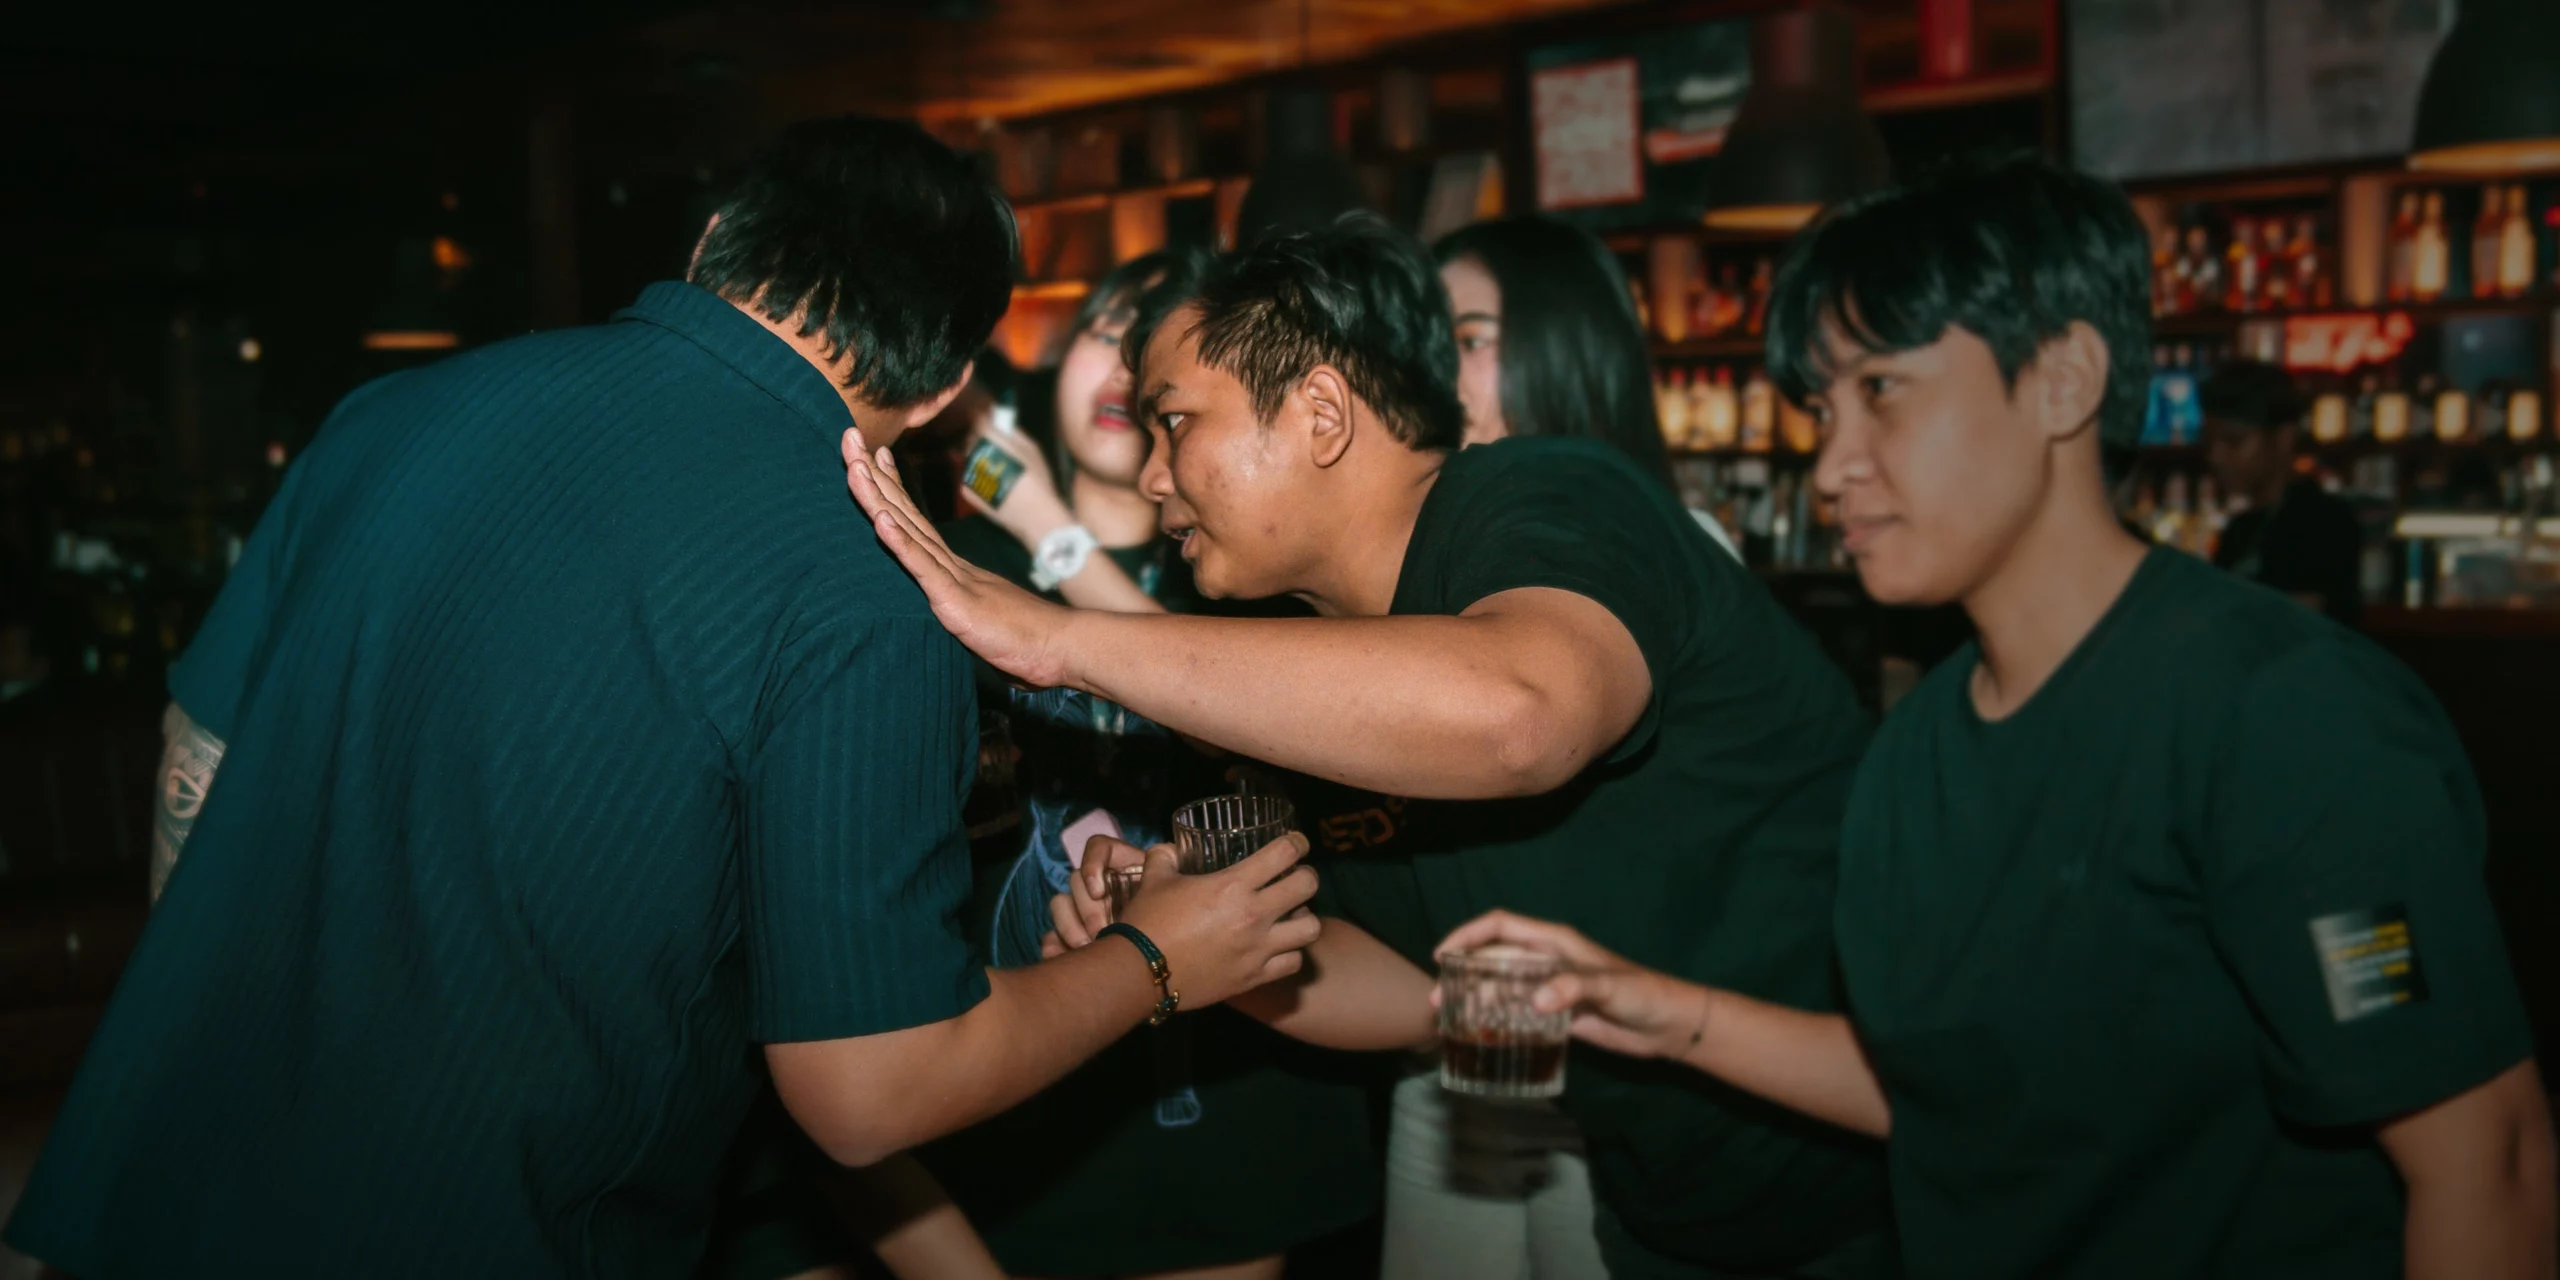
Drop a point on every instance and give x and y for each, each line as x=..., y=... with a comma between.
x=2491, y=102
x=1801, y=139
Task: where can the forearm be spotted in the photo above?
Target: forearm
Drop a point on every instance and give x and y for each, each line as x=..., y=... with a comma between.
x=1807, y=1062
x=1402, y=705
x=2479, y=1172
x=189, y=758
x=1102, y=584
x=1356, y=993
x=910, y=1223
x=866, y=1099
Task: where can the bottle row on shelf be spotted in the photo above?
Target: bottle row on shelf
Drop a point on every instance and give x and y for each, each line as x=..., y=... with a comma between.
x=2273, y=260
x=1726, y=408
x=1774, y=517
x=1679, y=299
x=2381, y=405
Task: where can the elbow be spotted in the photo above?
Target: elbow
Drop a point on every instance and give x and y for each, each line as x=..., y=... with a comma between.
x=1528, y=746
x=859, y=1143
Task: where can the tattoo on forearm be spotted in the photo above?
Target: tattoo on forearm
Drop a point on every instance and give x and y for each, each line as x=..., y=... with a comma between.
x=187, y=766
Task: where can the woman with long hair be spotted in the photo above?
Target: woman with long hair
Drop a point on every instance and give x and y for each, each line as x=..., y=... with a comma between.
x=1548, y=341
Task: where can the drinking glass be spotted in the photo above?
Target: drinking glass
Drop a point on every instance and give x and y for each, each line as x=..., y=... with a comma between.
x=1493, y=1044
x=1220, y=831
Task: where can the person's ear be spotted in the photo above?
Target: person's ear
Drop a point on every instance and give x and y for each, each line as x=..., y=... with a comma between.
x=698, y=242
x=2071, y=381
x=1327, y=397
x=924, y=411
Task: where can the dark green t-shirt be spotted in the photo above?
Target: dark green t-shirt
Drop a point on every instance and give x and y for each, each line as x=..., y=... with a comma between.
x=2138, y=963
x=1703, y=845
x=1208, y=1141
x=581, y=738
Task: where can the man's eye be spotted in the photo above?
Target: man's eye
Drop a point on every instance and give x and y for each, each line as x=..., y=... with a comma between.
x=1875, y=385
x=1170, y=421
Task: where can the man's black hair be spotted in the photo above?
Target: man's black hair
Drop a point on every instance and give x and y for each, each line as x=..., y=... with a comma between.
x=875, y=235
x=2011, y=253
x=2252, y=394
x=1358, y=295
x=1574, y=361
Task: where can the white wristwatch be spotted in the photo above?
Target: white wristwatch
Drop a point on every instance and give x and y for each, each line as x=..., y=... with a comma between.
x=1061, y=556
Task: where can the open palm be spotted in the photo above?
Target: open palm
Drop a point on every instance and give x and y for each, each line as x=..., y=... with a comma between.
x=1011, y=628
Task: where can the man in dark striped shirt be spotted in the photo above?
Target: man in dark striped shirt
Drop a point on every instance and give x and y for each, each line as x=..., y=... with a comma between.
x=562, y=736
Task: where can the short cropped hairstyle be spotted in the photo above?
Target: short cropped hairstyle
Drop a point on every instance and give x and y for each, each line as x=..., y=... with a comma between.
x=1574, y=361
x=875, y=235
x=2252, y=394
x=1358, y=295
x=2012, y=253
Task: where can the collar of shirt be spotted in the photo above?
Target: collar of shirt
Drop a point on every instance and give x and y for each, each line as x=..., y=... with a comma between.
x=733, y=337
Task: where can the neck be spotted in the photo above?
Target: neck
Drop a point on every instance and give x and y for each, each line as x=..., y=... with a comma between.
x=1374, y=517
x=2271, y=487
x=2064, y=571
x=1118, y=515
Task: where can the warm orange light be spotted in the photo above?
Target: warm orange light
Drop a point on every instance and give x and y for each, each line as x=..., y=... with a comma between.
x=411, y=340
x=2506, y=155
x=449, y=255
x=1053, y=290
x=1774, y=219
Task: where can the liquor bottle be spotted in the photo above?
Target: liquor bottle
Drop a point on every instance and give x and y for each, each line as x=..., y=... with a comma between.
x=1759, y=413
x=2311, y=287
x=2169, y=525
x=1635, y=298
x=2431, y=258
x=1702, y=302
x=2524, y=414
x=2453, y=415
x=1764, y=281
x=1729, y=305
x=2276, y=267
x=2165, y=300
x=2422, y=408
x=1719, y=417
x=2391, y=413
x=2402, y=266
x=2178, y=396
x=1674, y=409
x=2155, y=409
x=2204, y=271
x=2485, y=231
x=2515, y=248
x=2329, y=417
x=2360, y=413
x=2242, y=285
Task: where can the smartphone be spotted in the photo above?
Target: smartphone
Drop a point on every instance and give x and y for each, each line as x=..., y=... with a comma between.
x=990, y=472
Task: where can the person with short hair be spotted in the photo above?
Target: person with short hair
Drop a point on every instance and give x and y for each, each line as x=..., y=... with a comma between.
x=576, y=758
x=2295, y=536
x=2160, y=903
x=1567, y=696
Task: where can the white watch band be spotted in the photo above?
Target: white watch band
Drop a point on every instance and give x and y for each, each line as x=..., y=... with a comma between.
x=1061, y=556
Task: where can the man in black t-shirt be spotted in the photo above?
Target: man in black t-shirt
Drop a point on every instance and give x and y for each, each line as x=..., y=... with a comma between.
x=1587, y=707
x=2160, y=902
x=2295, y=537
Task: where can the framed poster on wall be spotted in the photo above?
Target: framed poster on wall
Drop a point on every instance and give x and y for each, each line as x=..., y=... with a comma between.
x=1625, y=129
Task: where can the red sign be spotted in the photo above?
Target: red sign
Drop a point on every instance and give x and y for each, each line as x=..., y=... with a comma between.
x=2343, y=343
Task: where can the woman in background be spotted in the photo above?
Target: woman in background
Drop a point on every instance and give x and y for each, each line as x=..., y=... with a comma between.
x=1548, y=342
x=1210, y=1146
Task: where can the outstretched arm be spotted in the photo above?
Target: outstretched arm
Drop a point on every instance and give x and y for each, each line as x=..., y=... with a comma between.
x=1512, y=697
x=1801, y=1060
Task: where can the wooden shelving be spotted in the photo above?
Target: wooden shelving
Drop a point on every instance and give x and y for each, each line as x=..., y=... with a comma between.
x=2217, y=323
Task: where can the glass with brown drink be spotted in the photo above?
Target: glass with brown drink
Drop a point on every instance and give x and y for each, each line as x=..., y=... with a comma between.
x=1493, y=1043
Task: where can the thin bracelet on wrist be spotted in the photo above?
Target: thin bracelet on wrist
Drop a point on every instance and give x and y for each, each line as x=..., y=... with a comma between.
x=1170, y=999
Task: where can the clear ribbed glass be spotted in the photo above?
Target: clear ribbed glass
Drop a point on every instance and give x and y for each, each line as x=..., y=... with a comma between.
x=1220, y=831
x=1493, y=1044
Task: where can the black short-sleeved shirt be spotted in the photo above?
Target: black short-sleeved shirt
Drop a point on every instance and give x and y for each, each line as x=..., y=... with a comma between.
x=581, y=736
x=2138, y=963
x=1207, y=1141
x=1704, y=844
x=2307, y=544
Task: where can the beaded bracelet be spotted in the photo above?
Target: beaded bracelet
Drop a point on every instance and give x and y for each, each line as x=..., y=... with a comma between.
x=1172, y=999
